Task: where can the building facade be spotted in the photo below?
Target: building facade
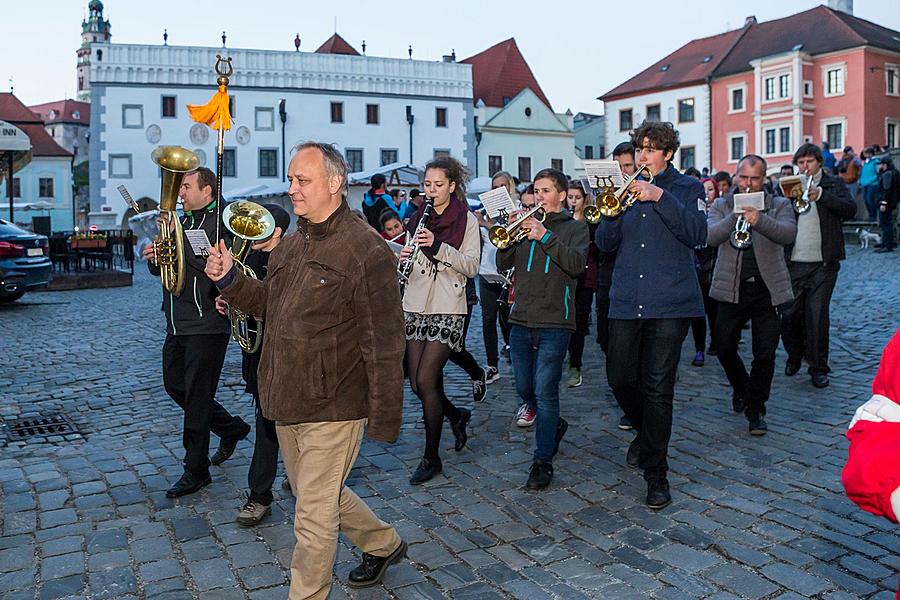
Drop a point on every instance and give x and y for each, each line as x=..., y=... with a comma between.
x=68, y=123
x=590, y=135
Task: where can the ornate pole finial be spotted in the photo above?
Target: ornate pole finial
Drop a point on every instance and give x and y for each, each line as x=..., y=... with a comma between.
x=223, y=39
x=410, y=51
x=297, y=43
x=453, y=54
x=364, y=46
x=165, y=37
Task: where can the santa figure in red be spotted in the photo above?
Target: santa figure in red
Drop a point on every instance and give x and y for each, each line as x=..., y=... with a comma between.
x=872, y=474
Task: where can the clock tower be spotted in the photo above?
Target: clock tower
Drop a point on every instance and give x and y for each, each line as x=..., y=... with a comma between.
x=94, y=29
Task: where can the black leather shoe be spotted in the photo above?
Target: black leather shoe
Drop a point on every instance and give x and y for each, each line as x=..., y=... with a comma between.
x=188, y=484
x=792, y=367
x=757, y=425
x=820, y=380
x=227, y=446
x=658, y=495
x=738, y=404
x=561, y=428
x=459, y=429
x=632, y=457
x=372, y=568
x=426, y=470
x=540, y=475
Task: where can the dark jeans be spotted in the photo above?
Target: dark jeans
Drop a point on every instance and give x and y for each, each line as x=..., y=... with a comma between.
x=493, y=311
x=754, y=304
x=603, y=318
x=641, y=366
x=698, y=324
x=464, y=359
x=264, y=464
x=886, y=220
x=584, y=299
x=537, y=358
x=191, y=368
x=806, y=321
x=870, y=197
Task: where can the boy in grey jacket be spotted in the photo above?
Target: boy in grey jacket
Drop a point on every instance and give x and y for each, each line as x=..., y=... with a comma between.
x=750, y=284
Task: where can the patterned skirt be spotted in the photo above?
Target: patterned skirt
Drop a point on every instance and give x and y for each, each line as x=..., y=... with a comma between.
x=447, y=329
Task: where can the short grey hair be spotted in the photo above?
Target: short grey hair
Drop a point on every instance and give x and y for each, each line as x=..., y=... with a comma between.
x=335, y=164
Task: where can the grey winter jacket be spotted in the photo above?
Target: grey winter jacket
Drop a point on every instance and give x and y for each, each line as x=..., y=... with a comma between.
x=776, y=228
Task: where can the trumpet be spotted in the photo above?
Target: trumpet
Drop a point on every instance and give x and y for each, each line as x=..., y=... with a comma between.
x=405, y=267
x=248, y=222
x=800, y=200
x=612, y=203
x=740, y=237
x=504, y=236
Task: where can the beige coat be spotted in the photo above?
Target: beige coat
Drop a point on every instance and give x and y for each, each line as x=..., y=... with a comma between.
x=441, y=289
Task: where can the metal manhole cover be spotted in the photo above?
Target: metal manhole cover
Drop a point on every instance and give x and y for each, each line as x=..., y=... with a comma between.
x=22, y=430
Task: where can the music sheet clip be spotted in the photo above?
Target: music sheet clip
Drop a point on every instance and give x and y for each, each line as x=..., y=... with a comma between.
x=602, y=174
x=199, y=241
x=756, y=200
x=497, y=202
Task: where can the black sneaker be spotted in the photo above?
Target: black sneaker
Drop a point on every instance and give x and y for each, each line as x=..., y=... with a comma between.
x=426, y=470
x=492, y=374
x=372, y=568
x=757, y=425
x=540, y=475
x=633, y=456
x=479, y=387
x=561, y=428
x=658, y=495
x=820, y=380
x=625, y=424
x=738, y=404
x=792, y=367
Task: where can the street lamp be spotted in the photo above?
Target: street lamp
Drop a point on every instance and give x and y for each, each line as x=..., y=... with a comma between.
x=74, y=212
x=410, y=118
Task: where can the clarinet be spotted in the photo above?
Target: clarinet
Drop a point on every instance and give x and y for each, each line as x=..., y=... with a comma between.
x=404, y=269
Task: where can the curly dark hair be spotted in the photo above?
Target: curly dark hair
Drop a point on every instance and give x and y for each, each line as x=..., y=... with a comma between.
x=455, y=172
x=662, y=136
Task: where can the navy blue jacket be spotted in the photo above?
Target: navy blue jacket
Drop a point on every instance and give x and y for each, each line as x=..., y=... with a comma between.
x=654, y=276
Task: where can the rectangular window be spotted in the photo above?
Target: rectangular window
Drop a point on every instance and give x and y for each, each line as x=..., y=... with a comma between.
x=268, y=162
x=588, y=152
x=737, y=148
x=231, y=105
x=264, y=118
x=686, y=110
x=371, y=114
x=770, y=141
x=524, y=168
x=769, y=88
x=688, y=157
x=168, y=107
x=441, y=152
x=17, y=187
x=388, y=156
x=784, y=140
x=784, y=86
x=892, y=80
x=834, y=81
x=891, y=131
x=653, y=113
x=337, y=112
x=807, y=89
x=557, y=163
x=132, y=116
x=495, y=163
x=45, y=187
x=355, y=160
x=625, y=120
x=834, y=133
x=120, y=166
x=440, y=117
x=737, y=99
x=229, y=163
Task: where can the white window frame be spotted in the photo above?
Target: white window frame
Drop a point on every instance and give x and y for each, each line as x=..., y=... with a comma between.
x=788, y=95
x=842, y=121
x=808, y=82
x=765, y=132
x=261, y=110
x=113, y=157
x=732, y=136
x=843, y=79
x=775, y=76
x=731, y=109
x=892, y=69
x=619, y=115
x=896, y=123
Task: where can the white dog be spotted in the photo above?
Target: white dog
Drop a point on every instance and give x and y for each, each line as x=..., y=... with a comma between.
x=866, y=236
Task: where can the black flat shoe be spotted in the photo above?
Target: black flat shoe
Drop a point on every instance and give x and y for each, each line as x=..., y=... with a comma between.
x=792, y=367
x=758, y=425
x=540, y=475
x=738, y=404
x=459, y=429
x=227, y=446
x=820, y=380
x=632, y=457
x=372, y=568
x=658, y=495
x=188, y=484
x=426, y=470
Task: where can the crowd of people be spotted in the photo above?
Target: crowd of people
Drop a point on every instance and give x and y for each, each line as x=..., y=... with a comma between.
x=344, y=331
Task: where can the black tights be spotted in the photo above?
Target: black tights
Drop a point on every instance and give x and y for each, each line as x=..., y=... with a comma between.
x=425, y=364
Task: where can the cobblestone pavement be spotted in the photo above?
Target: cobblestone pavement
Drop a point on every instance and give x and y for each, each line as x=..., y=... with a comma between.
x=751, y=518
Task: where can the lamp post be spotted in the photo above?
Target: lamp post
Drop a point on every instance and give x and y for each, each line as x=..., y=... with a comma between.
x=410, y=118
x=282, y=113
x=74, y=188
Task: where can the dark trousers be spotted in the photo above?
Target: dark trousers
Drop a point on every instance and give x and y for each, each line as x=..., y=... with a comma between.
x=698, y=324
x=641, y=365
x=191, y=368
x=870, y=197
x=264, y=464
x=754, y=304
x=584, y=299
x=886, y=220
x=603, y=318
x=805, y=323
x=492, y=312
x=464, y=359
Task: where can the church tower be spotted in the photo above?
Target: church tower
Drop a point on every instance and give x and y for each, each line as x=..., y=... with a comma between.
x=94, y=29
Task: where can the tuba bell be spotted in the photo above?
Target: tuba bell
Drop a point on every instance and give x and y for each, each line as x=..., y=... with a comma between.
x=504, y=236
x=248, y=222
x=174, y=162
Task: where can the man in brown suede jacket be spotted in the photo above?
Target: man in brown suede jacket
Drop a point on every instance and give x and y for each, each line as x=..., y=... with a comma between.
x=330, y=364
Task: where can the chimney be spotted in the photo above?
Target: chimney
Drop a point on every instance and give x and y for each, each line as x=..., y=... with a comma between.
x=845, y=6
x=751, y=20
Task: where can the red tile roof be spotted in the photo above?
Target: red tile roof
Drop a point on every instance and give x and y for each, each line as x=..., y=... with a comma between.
x=689, y=65
x=13, y=111
x=337, y=45
x=64, y=111
x=501, y=72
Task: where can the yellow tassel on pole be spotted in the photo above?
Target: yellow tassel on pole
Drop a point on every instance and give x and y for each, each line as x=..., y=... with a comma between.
x=214, y=113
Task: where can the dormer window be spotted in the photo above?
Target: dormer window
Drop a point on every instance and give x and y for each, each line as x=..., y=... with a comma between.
x=664, y=68
x=76, y=114
x=52, y=114
x=707, y=58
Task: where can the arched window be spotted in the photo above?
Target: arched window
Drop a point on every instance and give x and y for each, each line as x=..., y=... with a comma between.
x=99, y=55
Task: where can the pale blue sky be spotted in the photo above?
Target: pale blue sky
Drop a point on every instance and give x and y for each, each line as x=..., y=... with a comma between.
x=577, y=49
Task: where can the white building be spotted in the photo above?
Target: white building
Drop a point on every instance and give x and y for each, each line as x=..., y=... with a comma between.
x=590, y=135
x=379, y=110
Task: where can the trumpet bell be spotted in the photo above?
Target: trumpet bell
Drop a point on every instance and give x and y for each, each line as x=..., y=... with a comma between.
x=800, y=205
x=592, y=214
x=499, y=237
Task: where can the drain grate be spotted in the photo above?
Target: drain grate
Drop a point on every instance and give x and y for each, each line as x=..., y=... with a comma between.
x=24, y=429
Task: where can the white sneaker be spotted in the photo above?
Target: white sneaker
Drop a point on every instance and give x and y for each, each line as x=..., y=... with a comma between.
x=491, y=375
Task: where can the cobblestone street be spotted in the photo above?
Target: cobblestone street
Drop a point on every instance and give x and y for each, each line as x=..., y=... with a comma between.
x=86, y=515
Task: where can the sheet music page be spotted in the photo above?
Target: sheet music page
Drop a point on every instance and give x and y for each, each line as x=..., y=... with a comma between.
x=603, y=173
x=496, y=201
x=789, y=182
x=199, y=241
x=756, y=200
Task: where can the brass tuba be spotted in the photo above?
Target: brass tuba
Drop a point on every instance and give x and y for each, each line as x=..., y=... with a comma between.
x=249, y=222
x=612, y=203
x=174, y=162
x=504, y=236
